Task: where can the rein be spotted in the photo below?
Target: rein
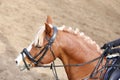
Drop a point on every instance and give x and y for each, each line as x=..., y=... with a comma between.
x=71, y=65
x=53, y=68
x=44, y=51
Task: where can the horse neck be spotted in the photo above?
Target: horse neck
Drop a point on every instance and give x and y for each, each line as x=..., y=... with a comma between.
x=74, y=49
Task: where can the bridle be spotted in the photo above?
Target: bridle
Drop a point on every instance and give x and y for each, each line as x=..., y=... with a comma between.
x=44, y=50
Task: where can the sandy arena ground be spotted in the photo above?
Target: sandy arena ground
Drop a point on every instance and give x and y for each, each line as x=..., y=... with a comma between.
x=20, y=20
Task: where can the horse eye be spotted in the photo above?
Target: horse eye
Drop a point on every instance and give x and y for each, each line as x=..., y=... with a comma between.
x=37, y=46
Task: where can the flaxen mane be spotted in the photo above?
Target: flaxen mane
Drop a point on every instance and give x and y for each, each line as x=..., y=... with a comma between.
x=80, y=34
x=76, y=32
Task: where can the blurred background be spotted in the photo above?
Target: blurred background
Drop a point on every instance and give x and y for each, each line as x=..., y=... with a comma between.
x=20, y=20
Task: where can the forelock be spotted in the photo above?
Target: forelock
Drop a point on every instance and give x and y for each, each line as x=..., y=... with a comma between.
x=39, y=36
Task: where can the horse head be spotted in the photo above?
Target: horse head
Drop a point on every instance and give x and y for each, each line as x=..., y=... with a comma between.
x=70, y=46
x=40, y=51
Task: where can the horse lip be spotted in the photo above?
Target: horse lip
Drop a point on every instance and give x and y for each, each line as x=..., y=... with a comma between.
x=24, y=67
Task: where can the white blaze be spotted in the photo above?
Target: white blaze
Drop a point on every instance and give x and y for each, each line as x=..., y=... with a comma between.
x=19, y=59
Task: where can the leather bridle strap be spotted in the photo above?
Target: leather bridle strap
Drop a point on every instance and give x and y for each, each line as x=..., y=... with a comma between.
x=43, y=51
x=24, y=61
x=52, y=67
x=73, y=65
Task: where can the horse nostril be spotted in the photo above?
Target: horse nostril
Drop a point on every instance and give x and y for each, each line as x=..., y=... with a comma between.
x=16, y=62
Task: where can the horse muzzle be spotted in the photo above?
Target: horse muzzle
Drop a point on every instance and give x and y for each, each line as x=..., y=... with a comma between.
x=20, y=63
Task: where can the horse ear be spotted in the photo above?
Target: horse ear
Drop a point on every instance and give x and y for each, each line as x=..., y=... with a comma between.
x=49, y=20
x=48, y=29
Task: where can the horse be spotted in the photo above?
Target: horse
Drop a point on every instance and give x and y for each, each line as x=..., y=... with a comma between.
x=70, y=46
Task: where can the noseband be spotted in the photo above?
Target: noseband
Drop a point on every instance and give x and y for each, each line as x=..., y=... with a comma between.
x=43, y=51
